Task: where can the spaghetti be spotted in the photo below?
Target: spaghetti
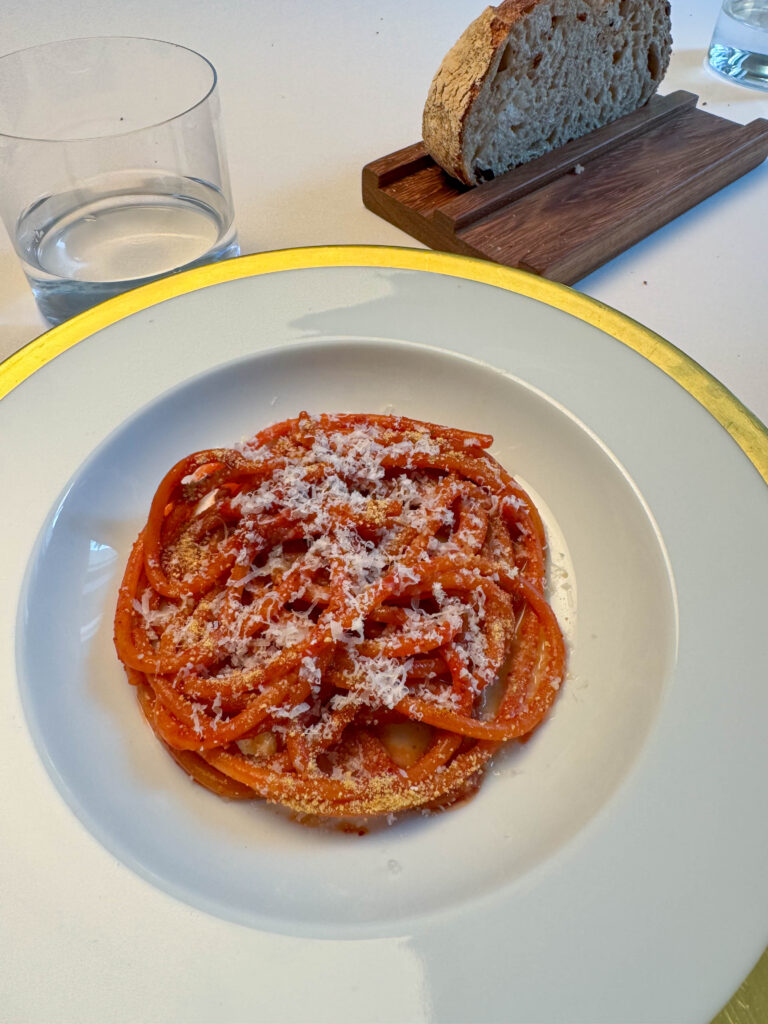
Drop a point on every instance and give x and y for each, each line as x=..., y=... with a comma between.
x=344, y=615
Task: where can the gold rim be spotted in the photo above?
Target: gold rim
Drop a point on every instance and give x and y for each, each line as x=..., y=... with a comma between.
x=746, y=430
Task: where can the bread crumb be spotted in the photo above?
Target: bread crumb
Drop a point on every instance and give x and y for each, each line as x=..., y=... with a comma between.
x=579, y=169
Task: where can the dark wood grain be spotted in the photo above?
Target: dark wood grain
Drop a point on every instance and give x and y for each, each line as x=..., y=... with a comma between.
x=397, y=165
x=638, y=174
x=409, y=201
x=477, y=203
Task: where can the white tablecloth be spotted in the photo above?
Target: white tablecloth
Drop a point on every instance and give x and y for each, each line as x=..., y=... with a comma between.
x=311, y=92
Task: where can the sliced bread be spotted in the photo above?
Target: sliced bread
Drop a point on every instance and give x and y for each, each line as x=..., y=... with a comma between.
x=530, y=75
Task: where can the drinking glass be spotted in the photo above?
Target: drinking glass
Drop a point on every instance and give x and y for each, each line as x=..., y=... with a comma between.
x=112, y=167
x=739, y=47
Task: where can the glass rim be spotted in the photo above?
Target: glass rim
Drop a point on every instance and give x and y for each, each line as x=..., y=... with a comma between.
x=119, y=134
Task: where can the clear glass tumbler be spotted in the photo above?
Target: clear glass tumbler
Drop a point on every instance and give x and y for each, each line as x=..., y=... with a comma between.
x=739, y=47
x=112, y=167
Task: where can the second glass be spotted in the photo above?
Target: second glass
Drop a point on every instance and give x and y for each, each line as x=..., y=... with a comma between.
x=739, y=47
x=113, y=168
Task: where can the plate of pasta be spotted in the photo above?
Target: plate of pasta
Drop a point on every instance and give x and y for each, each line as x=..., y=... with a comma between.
x=351, y=625
x=349, y=616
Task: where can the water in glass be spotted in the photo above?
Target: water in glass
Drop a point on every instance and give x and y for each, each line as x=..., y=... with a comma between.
x=112, y=234
x=739, y=47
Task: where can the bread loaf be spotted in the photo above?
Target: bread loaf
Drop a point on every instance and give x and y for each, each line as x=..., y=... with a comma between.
x=530, y=75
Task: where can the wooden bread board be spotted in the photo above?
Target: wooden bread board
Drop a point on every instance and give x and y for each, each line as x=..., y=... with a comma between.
x=568, y=212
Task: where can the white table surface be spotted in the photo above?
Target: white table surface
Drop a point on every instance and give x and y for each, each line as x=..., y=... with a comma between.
x=310, y=93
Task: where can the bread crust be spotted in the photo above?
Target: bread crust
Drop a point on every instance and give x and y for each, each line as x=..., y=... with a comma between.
x=460, y=78
x=474, y=60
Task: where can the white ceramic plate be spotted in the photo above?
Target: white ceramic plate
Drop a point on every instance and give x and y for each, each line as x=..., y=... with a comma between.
x=611, y=869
